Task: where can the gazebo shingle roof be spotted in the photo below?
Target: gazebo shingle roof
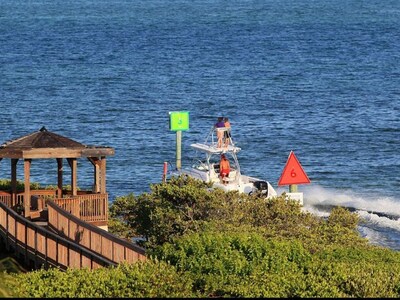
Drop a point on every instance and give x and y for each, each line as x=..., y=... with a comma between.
x=42, y=139
x=50, y=145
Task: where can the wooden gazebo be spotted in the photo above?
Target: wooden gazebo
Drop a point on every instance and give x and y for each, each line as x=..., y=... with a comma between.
x=44, y=144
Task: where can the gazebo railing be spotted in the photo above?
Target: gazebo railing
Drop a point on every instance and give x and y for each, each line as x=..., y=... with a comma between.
x=5, y=197
x=87, y=206
x=39, y=196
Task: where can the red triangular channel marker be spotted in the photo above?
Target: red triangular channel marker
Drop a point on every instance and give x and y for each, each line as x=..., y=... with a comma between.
x=293, y=173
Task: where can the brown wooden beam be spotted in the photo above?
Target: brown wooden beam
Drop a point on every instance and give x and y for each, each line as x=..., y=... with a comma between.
x=59, y=177
x=51, y=153
x=27, y=183
x=96, y=179
x=103, y=175
x=96, y=173
x=6, y=153
x=58, y=153
x=14, y=181
x=98, y=151
x=73, y=164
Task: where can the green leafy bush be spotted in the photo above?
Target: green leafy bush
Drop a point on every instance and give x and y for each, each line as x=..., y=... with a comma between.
x=185, y=205
x=171, y=209
x=208, y=243
x=246, y=264
x=236, y=264
x=149, y=279
x=5, y=185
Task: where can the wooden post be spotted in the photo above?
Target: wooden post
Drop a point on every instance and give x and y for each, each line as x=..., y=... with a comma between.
x=96, y=179
x=73, y=164
x=96, y=173
x=14, y=181
x=59, y=177
x=27, y=183
x=103, y=175
x=74, y=177
x=178, y=149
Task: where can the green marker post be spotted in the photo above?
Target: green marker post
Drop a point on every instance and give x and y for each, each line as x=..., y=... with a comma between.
x=178, y=149
x=179, y=121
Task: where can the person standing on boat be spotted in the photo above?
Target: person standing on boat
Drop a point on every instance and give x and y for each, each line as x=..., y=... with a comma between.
x=227, y=132
x=224, y=168
x=220, y=126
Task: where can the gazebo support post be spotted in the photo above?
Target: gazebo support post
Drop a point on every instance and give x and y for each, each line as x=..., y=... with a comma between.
x=96, y=173
x=73, y=164
x=27, y=183
x=103, y=175
x=14, y=162
x=96, y=179
x=59, y=177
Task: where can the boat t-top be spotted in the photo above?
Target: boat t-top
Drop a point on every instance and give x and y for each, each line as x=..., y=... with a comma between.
x=206, y=167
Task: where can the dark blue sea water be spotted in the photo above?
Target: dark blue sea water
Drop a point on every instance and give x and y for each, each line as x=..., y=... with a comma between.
x=321, y=78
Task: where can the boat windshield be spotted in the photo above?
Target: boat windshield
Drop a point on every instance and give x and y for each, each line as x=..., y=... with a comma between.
x=212, y=160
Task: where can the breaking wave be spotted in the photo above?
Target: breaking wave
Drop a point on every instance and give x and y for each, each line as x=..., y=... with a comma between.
x=379, y=216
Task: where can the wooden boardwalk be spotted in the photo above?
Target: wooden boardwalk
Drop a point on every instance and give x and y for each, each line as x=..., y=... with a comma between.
x=70, y=232
x=64, y=241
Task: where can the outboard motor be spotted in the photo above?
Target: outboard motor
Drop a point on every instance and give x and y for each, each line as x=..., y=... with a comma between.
x=262, y=186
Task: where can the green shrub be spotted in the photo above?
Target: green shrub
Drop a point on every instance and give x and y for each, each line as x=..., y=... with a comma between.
x=143, y=279
x=216, y=244
x=230, y=264
x=170, y=209
x=246, y=264
x=5, y=185
x=184, y=205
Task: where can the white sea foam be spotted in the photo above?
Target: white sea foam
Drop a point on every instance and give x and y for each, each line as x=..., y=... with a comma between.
x=319, y=196
x=380, y=216
x=380, y=221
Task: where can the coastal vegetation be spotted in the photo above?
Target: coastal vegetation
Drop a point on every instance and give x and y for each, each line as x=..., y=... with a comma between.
x=5, y=185
x=202, y=242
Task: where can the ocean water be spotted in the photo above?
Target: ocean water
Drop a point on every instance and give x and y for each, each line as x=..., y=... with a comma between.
x=320, y=78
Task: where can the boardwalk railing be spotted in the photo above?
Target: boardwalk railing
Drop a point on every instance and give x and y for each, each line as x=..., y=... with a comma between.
x=39, y=246
x=92, y=237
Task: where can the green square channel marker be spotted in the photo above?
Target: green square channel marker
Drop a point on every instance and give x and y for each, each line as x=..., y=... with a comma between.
x=179, y=120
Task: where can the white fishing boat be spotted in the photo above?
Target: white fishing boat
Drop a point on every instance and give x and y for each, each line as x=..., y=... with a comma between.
x=206, y=167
